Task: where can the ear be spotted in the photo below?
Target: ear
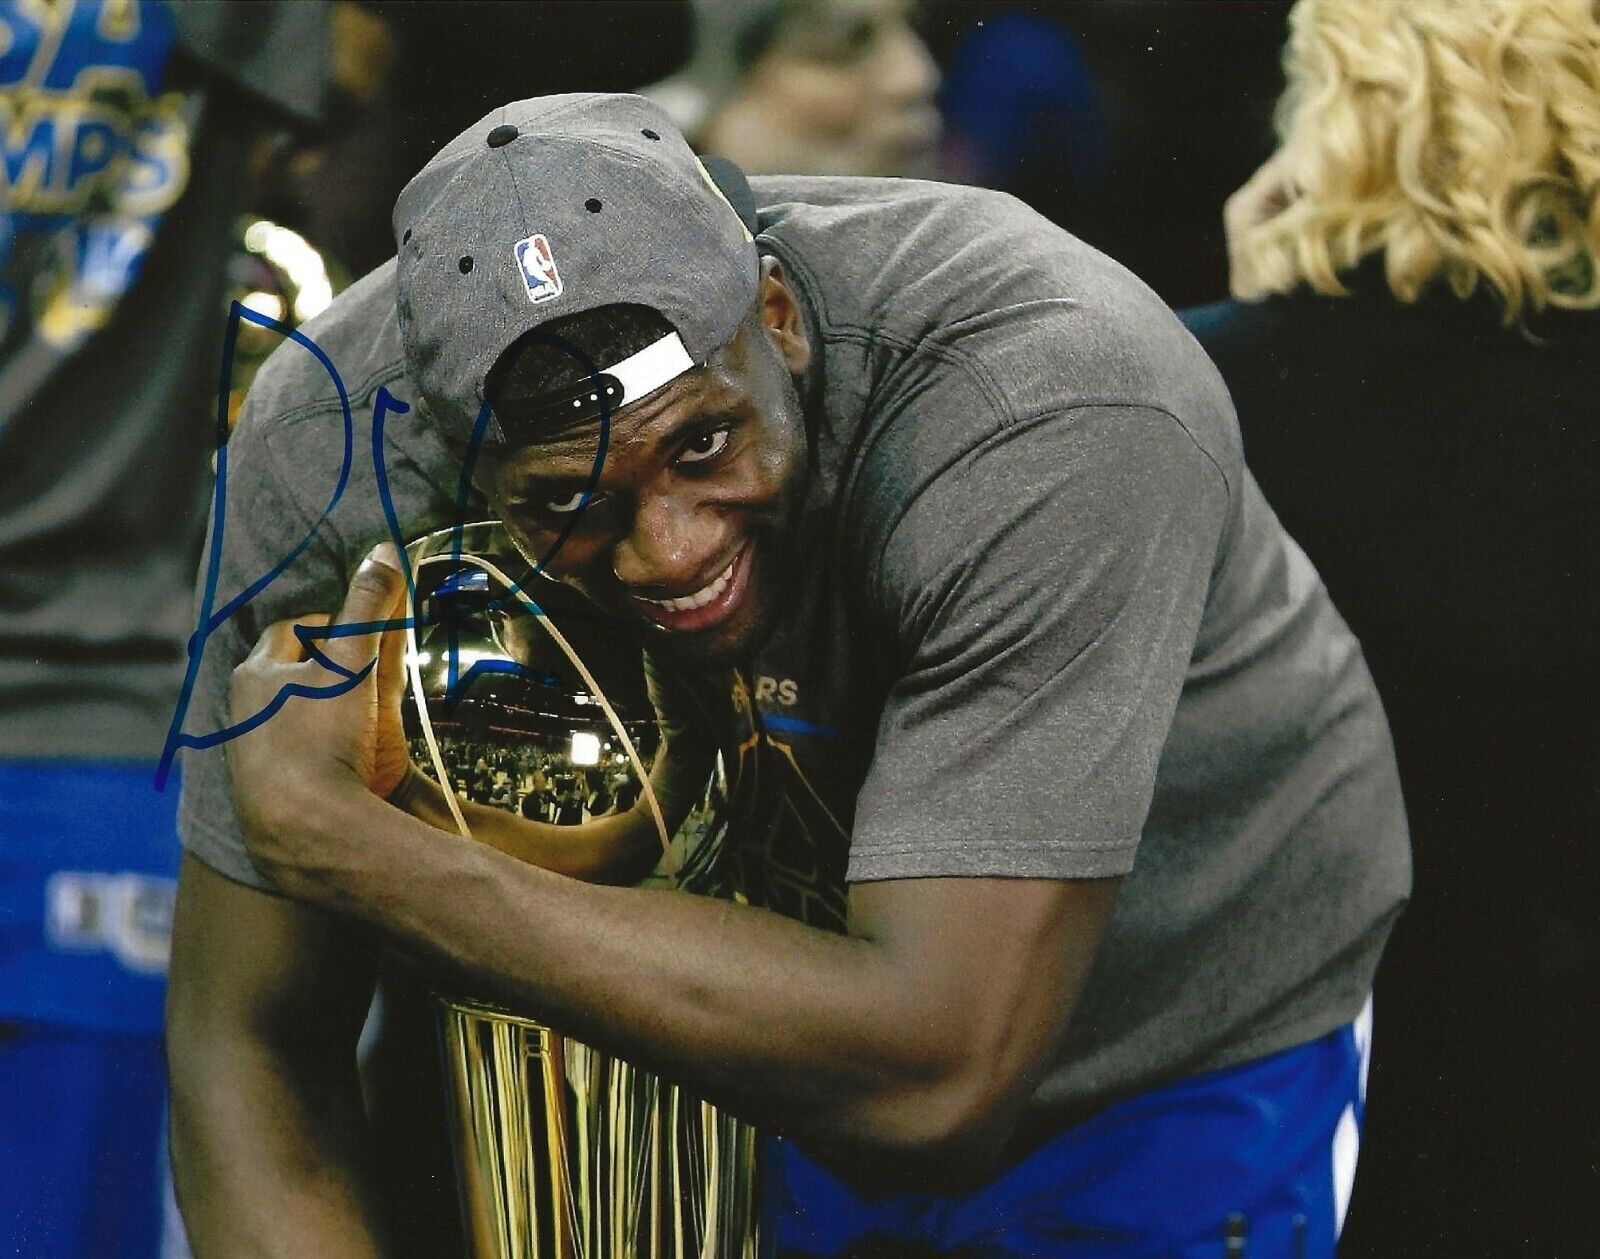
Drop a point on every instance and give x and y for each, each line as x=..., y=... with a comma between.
x=781, y=317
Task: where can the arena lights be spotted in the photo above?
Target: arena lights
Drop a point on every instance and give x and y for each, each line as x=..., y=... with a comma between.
x=264, y=303
x=585, y=749
x=298, y=259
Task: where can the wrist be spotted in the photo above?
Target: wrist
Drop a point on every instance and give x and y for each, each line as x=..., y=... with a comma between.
x=301, y=840
x=347, y=840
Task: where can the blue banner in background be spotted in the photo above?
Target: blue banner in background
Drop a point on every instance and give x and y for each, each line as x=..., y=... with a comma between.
x=95, y=152
x=88, y=873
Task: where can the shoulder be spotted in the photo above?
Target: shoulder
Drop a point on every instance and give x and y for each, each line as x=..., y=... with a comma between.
x=906, y=260
x=275, y=51
x=303, y=455
x=908, y=277
x=346, y=352
x=949, y=317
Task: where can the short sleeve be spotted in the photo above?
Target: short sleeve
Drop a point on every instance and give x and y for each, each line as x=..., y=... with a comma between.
x=262, y=527
x=1047, y=592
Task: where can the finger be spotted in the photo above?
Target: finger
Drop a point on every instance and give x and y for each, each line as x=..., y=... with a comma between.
x=279, y=642
x=307, y=632
x=1241, y=211
x=1264, y=195
x=374, y=598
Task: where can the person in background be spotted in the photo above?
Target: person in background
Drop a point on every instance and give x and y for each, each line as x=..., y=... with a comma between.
x=625, y=796
x=1411, y=350
x=1024, y=113
x=129, y=131
x=807, y=87
x=598, y=793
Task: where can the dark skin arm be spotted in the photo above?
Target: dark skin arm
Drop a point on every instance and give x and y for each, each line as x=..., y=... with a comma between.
x=265, y=1004
x=920, y=1034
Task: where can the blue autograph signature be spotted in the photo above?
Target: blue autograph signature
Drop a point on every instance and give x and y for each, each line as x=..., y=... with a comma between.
x=211, y=617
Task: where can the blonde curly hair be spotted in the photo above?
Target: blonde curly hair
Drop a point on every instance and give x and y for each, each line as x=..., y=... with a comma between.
x=1458, y=138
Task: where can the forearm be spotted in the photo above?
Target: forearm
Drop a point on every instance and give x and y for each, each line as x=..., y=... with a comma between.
x=268, y=1156
x=921, y=1033
x=815, y=1033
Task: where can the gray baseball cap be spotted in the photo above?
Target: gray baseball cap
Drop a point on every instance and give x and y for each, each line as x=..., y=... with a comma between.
x=557, y=205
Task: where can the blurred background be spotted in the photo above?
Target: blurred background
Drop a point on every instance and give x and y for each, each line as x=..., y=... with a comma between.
x=1126, y=121
x=1129, y=123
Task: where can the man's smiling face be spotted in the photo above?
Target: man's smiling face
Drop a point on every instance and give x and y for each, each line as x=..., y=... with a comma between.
x=689, y=526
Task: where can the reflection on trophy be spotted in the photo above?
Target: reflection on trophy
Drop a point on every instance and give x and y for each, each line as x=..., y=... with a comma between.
x=525, y=698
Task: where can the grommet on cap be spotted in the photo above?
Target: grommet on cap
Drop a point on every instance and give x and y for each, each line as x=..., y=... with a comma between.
x=505, y=133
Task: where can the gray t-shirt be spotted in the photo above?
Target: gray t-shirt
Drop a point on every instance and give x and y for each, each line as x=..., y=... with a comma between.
x=1044, y=626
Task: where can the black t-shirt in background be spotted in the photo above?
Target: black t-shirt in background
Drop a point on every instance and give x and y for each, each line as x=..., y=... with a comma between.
x=112, y=313
x=1441, y=472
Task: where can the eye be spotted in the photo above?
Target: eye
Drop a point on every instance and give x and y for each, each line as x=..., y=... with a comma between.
x=566, y=506
x=704, y=446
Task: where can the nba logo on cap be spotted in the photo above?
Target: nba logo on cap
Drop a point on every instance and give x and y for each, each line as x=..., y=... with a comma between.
x=538, y=267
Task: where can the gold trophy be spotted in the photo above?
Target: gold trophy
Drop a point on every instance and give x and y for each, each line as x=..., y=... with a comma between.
x=562, y=1151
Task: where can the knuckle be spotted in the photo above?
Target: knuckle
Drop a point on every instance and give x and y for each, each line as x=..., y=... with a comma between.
x=371, y=580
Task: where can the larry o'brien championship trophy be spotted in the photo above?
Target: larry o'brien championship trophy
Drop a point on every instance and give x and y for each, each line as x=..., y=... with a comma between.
x=522, y=696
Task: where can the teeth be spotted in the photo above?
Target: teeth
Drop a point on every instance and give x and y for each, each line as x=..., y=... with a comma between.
x=699, y=598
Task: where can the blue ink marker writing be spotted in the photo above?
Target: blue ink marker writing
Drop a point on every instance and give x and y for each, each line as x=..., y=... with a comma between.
x=212, y=618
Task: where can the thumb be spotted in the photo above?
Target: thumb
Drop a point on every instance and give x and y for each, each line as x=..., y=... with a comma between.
x=375, y=597
x=392, y=680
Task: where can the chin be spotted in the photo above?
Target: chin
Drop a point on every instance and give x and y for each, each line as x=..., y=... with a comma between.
x=729, y=645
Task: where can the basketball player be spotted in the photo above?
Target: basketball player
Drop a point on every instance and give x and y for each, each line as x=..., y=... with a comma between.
x=1071, y=833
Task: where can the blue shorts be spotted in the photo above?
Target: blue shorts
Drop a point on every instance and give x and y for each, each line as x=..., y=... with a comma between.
x=1264, y=1152
x=88, y=871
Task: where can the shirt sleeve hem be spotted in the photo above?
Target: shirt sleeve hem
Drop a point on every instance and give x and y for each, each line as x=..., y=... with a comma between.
x=979, y=860
x=221, y=852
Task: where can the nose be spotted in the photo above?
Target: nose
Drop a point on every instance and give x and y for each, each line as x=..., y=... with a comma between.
x=670, y=548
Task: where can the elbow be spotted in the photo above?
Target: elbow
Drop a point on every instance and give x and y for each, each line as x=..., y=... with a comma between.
x=964, y=1128
x=948, y=1131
